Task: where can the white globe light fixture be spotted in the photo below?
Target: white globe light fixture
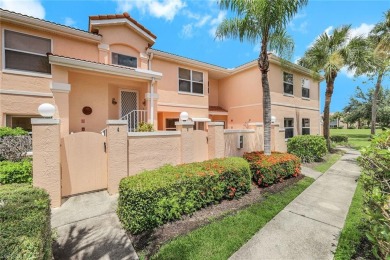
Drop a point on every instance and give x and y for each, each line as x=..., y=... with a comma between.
x=273, y=119
x=184, y=116
x=46, y=110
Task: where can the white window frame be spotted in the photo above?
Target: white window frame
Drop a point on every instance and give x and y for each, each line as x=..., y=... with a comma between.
x=112, y=53
x=304, y=80
x=191, y=81
x=288, y=94
x=24, y=72
x=290, y=127
x=305, y=127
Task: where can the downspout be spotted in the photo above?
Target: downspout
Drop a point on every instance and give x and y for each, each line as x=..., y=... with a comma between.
x=151, y=89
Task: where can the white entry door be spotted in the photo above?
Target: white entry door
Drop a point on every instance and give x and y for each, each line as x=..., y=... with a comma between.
x=129, y=102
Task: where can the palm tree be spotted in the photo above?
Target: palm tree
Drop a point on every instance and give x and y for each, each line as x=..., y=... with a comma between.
x=327, y=56
x=371, y=56
x=263, y=22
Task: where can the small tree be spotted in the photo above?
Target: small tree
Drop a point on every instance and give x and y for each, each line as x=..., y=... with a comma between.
x=263, y=22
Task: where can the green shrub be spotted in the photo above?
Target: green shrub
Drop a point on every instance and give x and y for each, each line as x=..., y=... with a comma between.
x=267, y=170
x=351, y=127
x=25, y=231
x=15, y=172
x=7, y=131
x=144, y=127
x=339, y=138
x=307, y=147
x=152, y=198
x=375, y=161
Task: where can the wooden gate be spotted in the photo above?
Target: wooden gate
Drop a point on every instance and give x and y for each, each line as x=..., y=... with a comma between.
x=83, y=163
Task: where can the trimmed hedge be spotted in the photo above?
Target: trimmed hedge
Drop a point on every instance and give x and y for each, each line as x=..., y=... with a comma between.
x=155, y=197
x=15, y=172
x=307, y=147
x=7, y=131
x=25, y=231
x=267, y=170
x=339, y=138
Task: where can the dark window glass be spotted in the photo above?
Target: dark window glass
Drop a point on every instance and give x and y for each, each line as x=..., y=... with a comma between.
x=184, y=86
x=197, y=88
x=170, y=124
x=26, y=52
x=305, y=126
x=190, y=81
x=124, y=60
x=27, y=62
x=289, y=127
x=184, y=74
x=305, y=92
x=288, y=83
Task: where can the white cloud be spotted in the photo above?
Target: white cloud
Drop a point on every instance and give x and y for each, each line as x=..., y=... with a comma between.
x=349, y=73
x=27, y=7
x=203, y=20
x=215, y=22
x=363, y=30
x=69, y=21
x=187, y=31
x=329, y=29
x=166, y=9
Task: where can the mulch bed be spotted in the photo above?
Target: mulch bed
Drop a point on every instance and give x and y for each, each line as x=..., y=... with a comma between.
x=151, y=241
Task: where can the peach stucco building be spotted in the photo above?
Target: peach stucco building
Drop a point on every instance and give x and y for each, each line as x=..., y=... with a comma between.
x=111, y=71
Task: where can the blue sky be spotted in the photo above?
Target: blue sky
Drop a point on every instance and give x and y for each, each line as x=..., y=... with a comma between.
x=187, y=28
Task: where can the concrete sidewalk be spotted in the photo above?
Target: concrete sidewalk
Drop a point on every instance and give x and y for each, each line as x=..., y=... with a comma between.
x=88, y=228
x=309, y=227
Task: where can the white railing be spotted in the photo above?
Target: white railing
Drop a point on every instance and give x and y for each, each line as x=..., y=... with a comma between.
x=134, y=118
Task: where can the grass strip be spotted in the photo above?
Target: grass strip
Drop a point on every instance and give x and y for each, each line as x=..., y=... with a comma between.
x=353, y=231
x=333, y=158
x=221, y=238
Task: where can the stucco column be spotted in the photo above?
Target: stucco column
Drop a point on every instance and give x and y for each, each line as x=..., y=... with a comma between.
x=46, y=157
x=117, y=161
x=151, y=104
x=259, y=140
x=104, y=50
x=186, y=140
x=216, y=140
x=278, y=143
x=61, y=99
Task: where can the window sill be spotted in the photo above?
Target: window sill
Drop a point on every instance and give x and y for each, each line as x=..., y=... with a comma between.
x=26, y=73
x=288, y=95
x=305, y=98
x=191, y=94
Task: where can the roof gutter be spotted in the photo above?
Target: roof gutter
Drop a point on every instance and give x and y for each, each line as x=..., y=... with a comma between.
x=31, y=22
x=104, y=68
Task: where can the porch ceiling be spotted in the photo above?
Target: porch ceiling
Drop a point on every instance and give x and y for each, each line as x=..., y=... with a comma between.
x=104, y=68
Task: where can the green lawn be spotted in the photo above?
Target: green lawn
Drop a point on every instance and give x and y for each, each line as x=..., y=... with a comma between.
x=352, y=232
x=221, y=238
x=357, y=138
x=330, y=160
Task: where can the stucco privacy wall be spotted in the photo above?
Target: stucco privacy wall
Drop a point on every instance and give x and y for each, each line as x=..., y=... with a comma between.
x=148, y=151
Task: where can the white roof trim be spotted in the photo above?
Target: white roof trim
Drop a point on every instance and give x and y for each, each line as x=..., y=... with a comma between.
x=123, y=21
x=218, y=113
x=105, y=68
x=201, y=119
x=40, y=24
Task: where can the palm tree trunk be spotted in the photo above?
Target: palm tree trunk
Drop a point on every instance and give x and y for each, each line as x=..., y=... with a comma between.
x=374, y=102
x=263, y=64
x=328, y=98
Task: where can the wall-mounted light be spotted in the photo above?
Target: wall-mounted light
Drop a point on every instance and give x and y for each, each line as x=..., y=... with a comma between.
x=113, y=101
x=273, y=119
